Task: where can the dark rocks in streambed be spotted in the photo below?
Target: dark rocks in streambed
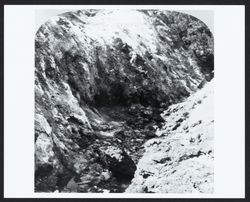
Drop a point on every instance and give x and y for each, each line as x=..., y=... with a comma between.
x=144, y=116
x=149, y=133
x=94, y=153
x=101, y=168
x=118, y=162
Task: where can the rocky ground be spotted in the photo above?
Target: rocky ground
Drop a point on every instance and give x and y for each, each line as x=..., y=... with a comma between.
x=102, y=80
x=180, y=159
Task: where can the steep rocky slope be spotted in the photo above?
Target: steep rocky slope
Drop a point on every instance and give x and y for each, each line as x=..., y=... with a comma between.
x=180, y=159
x=102, y=78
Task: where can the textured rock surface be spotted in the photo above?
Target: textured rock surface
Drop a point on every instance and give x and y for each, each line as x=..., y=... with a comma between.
x=101, y=80
x=180, y=160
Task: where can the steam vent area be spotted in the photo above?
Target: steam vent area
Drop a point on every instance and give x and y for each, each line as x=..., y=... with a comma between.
x=124, y=103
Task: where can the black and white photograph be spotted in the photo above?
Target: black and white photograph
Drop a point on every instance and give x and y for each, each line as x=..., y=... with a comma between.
x=124, y=102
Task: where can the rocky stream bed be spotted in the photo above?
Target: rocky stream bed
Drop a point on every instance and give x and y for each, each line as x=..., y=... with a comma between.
x=103, y=83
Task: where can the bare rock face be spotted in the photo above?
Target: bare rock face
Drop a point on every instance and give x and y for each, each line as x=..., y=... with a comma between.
x=101, y=80
x=180, y=160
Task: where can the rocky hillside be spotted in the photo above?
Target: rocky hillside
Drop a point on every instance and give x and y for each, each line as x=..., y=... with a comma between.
x=180, y=159
x=102, y=78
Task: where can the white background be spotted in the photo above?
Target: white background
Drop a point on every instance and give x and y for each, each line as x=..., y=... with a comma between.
x=19, y=34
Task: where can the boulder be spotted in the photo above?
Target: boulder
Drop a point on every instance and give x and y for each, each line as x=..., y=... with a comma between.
x=118, y=161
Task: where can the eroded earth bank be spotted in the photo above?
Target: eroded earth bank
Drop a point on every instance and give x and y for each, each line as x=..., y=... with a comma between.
x=124, y=103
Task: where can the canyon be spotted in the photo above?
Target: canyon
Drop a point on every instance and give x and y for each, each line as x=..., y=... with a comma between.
x=124, y=103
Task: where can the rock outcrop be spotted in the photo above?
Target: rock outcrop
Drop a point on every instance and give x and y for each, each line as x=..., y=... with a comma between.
x=180, y=159
x=102, y=78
